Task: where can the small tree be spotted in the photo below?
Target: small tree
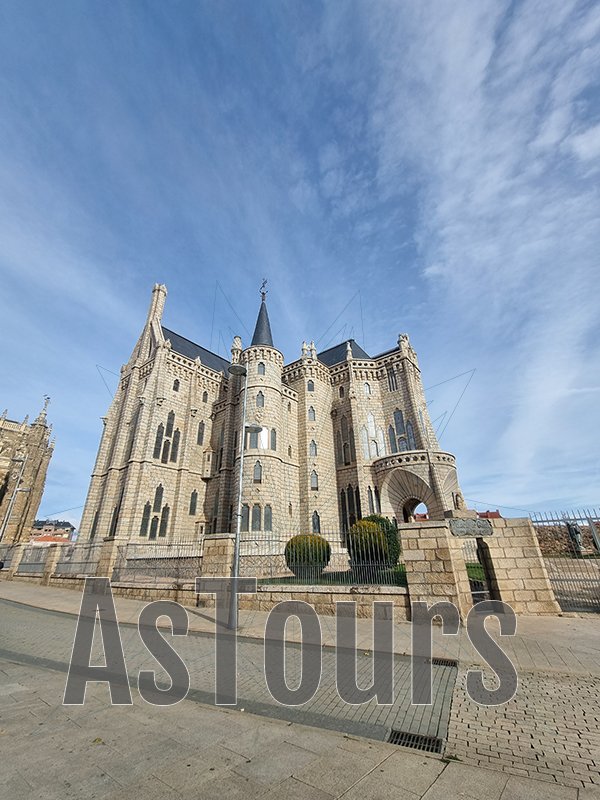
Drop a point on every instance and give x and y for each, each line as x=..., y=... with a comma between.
x=390, y=531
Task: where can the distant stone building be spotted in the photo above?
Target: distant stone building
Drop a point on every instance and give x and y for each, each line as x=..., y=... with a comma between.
x=25, y=452
x=342, y=435
x=57, y=528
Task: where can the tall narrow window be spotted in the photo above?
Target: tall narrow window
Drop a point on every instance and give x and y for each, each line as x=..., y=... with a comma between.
x=399, y=422
x=341, y=392
x=160, y=432
x=338, y=449
x=344, y=510
x=256, y=517
x=153, y=528
x=253, y=440
x=316, y=522
x=193, y=503
x=273, y=439
x=268, y=519
x=311, y=414
x=258, y=472
x=367, y=389
x=94, y=524
x=310, y=386
x=370, y=499
x=175, y=385
x=289, y=451
x=352, y=445
x=261, y=368
x=344, y=429
x=410, y=435
x=312, y=449
x=260, y=400
x=165, y=453
x=170, y=424
x=158, y=498
x=200, y=437
x=391, y=376
x=164, y=521
x=377, y=502
x=205, y=397
x=346, y=454
x=357, y=497
x=175, y=446
x=314, y=480
x=245, y=516
x=145, y=520
x=392, y=438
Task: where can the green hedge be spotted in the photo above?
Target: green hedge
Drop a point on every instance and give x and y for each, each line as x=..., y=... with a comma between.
x=373, y=541
x=307, y=555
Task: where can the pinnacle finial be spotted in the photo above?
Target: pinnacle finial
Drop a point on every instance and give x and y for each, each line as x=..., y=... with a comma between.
x=263, y=290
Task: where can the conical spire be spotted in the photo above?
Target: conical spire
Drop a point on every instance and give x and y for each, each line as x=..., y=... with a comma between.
x=262, y=332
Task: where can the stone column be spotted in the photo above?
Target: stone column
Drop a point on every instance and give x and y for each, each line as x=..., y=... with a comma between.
x=217, y=561
x=54, y=551
x=519, y=575
x=435, y=567
x=108, y=556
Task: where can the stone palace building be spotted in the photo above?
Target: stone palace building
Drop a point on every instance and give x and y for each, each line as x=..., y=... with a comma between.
x=333, y=436
x=25, y=452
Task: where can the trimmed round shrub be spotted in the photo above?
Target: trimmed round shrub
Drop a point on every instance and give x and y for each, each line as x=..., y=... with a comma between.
x=307, y=555
x=391, y=535
x=367, y=545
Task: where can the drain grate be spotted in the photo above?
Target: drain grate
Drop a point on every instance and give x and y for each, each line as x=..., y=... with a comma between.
x=444, y=662
x=428, y=744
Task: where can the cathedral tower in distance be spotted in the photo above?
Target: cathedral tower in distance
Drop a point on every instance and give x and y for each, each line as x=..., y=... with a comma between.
x=333, y=436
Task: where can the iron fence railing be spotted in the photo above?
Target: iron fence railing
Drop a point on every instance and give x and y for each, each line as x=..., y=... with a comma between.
x=33, y=559
x=158, y=562
x=80, y=558
x=327, y=558
x=570, y=545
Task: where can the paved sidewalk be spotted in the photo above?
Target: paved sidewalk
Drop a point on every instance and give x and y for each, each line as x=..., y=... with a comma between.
x=549, y=731
x=142, y=752
x=549, y=644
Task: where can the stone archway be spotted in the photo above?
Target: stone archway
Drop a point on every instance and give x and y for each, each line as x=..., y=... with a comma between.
x=402, y=491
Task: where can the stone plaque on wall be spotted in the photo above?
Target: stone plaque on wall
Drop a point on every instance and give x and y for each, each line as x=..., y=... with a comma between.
x=470, y=527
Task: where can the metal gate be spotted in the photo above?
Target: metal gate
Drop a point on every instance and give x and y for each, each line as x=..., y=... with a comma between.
x=570, y=545
x=478, y=569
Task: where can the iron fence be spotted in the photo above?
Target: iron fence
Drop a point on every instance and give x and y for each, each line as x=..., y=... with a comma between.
x=80, y=558
x=6, y=555
x=570, y=545
x=33, y=560
x=327, y=558
x=479, y=578
x=158, y=563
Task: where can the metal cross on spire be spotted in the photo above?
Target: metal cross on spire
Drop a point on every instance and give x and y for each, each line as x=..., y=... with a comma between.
x=263, y=291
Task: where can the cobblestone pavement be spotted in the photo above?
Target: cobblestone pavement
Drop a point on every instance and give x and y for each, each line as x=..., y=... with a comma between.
x=550, y=730
x=39, y=636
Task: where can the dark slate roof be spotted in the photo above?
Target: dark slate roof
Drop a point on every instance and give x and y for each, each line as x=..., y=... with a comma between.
x=337, y=354
x=262, y=332
x=192, y=351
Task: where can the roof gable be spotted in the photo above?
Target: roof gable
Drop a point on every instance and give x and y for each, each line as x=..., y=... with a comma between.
x=192, y=351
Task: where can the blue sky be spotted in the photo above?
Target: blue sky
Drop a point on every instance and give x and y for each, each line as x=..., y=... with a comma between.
x=442, y=158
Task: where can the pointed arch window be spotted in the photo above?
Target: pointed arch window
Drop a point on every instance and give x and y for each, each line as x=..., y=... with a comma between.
x=200, y=437
x=268, y=518
x=175, y=446
x=346, y=454
x=392, y=382
x=399, y=422
x=357, y=498
x=158, y=498
x=289, y=451
x=193, y=503
x=164, y=521
x=160, y=432
x=256, y=515
x=341, y=392
x=260, y=400
x=339, y=449
x=165, y=453
x=175, y=385
x=316, y=522
x=343, y=510
x=344, y=429
x=314, y=480
x=145, y=519
x=311, y=414
x=310, y=386
x=153, y=528
x=170, y=423
x=370, y=499
x=352, y=446
x=261, y=368
x=312, y=449
x=367, y=389
x=377, y=502
x=245, y=516
x=258, y=472
x=273, y=439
